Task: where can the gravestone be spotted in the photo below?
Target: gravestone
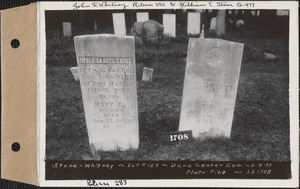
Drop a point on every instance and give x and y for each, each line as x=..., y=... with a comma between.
x=74, y=71
x=147, y=74
x=67, y=29
x=119, y=24
x=193, y=23
x=210, y=87
x=107, y=72
x=213, y=23
x=142, y=16
x=169, y=23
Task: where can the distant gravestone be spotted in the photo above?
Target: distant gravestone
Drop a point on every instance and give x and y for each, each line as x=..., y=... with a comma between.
x=193, y=23
x=142, y=16
x=74, y=71
x=67, y=29
x=213, y=22
x=107, y=71
x=119, y=24
x=169, y=23
x=147, y=74
x=210, y=87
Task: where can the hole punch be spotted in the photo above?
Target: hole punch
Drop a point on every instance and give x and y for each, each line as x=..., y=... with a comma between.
x=15, y=43
x=15, y=147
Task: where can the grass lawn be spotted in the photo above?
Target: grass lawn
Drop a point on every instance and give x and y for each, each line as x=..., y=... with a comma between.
x=260, y=128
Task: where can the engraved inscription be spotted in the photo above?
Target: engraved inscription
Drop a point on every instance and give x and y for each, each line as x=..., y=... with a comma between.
x=210, y=87
x=107, y=84
x=215, y=57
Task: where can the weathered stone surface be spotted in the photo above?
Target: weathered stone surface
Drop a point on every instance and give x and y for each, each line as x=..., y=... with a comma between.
x=119, y=24
x=67, y=29
x=169, y=23
x=194, y=23
x=210, y=87
x=147, y=32
x=142, y=16
x=147, y=74
x=107, y=71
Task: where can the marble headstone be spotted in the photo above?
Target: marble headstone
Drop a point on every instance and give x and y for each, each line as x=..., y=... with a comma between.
x=147, y=74
x=210, y=87
x=193, y=23
x=107, y=72
x=213, y=23
x=67, y=29
x=169, y=23
x=142, y=16
x=119, y=24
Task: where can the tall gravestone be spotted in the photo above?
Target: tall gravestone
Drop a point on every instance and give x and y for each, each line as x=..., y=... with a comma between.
x=67, y=29
x=194, y=23
x=213, y=24
x=210, y=87
x=142, y=16
x=119, y=24
x=107, y=72
x=169, y=23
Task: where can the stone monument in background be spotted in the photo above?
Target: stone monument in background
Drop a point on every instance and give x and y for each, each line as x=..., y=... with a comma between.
x=169, y=23
x=119, y=24
x=210, y=87
x=107, y=75
x=213, y=24
x=67, y=29
x=148, y=32
x=194, y=23
x=142, y=16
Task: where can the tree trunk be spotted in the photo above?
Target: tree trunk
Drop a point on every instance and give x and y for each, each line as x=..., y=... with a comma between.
x=220, y=22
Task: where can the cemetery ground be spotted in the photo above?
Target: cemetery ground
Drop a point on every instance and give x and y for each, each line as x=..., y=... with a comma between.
x=260, y=128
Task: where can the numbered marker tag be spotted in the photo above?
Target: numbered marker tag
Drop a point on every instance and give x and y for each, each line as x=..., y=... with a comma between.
x=174, y=137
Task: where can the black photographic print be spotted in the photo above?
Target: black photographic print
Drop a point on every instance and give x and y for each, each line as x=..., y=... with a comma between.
x=168, y=93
